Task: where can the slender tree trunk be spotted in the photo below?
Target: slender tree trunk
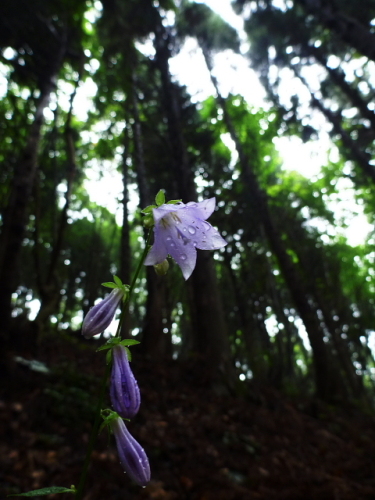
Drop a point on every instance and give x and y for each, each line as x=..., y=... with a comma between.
x=152, y=333
x=15, y=217
x=125, y=257
x=337, y=76
x=209, y=327
x=323, y=378
x=354, y=152
x=350, y=30
x=50, y=289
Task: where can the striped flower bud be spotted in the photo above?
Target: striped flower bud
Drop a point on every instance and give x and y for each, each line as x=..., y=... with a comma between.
x=132, y=456
x=124, y=391
x=101, y=315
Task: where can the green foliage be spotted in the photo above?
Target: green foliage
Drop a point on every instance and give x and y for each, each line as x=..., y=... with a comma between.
x=129, y=127
x=51, y=490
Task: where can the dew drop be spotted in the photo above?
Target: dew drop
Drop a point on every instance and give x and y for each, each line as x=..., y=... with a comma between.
x=191, y=230
x=172, y=244
x=168, y=238
x=183, y=257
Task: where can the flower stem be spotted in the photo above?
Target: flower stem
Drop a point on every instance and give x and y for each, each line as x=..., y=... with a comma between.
x=132, y=285
x=95, y=428
x=93, y=436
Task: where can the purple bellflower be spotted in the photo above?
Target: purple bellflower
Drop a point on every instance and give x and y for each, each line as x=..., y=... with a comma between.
x=124, y=391
x=101, y=315
x=179, y=230
x=132, y=456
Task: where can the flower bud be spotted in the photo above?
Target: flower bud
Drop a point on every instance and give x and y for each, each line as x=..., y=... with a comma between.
x=162, y=268
x=100, y=316
x=148, y=221
x=124, y=391
x=132, y=456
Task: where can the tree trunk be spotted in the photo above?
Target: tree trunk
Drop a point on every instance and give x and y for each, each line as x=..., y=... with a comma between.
x=152, y=332
x=338, y=78
x=209, y=334
x=350, y=30
x=50, y=288
x=323, y=375
x=16, y=214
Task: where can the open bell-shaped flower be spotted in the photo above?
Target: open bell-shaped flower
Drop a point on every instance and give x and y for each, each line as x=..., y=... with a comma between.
x=101, y=315
x=124, y=390
x=179, y=230
x=132, y=456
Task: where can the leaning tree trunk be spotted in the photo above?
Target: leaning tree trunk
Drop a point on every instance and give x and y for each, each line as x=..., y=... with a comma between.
x=323, y=372
x=354, y=151
x=337, y=77
x=349, y=29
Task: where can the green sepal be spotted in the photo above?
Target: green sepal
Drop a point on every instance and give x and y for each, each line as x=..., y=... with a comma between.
x=148, y=221
x=107, y=416
x=160, y=198
x=45, y=491
x=128, y=353
x=117, y=341
x=173, y=202
x=148, y=209
x=117, y=280
x=108, y=356
x=109, y=284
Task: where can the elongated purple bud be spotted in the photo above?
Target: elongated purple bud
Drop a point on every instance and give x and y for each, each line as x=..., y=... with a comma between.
x=132, y=456
x=100, y=316
x=124, y=390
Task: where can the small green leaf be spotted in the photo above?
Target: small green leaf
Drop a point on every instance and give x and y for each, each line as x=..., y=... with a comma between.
x=45, y=491
x=109, y=284
x=148, y=209
x=127, y=342
x=173, y=202
x=117, y=280
x=160, y=198
x=109, y=344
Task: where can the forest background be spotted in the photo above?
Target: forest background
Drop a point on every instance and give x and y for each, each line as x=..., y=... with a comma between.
x=288, y=304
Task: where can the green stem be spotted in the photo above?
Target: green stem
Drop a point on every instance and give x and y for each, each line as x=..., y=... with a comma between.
x=132, y=286
x=93, y=436
x=95, y=429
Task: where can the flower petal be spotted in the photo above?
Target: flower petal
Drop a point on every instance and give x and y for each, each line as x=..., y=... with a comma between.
x=200, y=232
x=132, y=456
x=180, y=229
x=158, y=251
x=204, y=208
x=101, y=315
x=124, y=390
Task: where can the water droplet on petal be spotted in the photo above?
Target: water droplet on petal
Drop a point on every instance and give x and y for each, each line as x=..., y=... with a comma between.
x=183, y=257
x=168, y=238
x=172, y=244
x=207, y=225
x=191, y=230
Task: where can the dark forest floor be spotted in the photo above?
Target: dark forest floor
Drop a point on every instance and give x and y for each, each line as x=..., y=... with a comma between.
x=201, y=445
